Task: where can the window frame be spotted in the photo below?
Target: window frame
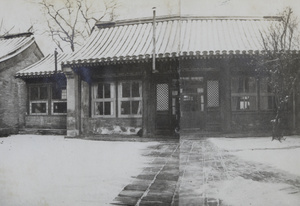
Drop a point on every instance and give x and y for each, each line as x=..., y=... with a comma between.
x=46, y=101
x=258, y=94
x=112, y=99
x=130, y=99
x=58, y=101
x=267, y=94
x=49, y=101
x=244, y=94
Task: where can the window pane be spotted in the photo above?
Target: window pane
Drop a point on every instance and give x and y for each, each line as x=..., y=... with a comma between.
x=135, y=89
x=243, y=103
x=251, y=85
x=107, y=91
x=125, y=107
x=162, y=97
x=63, y=94
x=136, y=107
x=56, y=93
x=38, y=108
x=264, y=86
x=266, y=102
x=126, y=89
x=43, y=93
x=34, y=93
x=100, y=91
x=107, y=108
x=212, y=93
x=234, y=85
x=234, y=104
x=60, y=107
x=99, y=108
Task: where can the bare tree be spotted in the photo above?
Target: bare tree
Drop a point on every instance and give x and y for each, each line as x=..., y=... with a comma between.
x=72, y=21
x=4, y=31
x=280, y=64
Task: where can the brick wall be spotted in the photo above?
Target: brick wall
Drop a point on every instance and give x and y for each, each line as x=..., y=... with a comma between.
x=13, y=91
x=252, y=121
x=111, y=125
x=46, y=121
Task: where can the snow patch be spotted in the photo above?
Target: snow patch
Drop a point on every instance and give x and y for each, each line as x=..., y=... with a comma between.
x=50, y=170
x=116, y=130
x=240, y=191
x=283, y=156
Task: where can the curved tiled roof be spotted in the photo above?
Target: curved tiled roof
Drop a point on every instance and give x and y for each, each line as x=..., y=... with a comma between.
x=44, y=67
x=175, y=37
x=11, y=45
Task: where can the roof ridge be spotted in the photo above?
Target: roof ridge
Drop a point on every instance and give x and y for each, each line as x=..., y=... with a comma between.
x=16, y=35
x=106, y=24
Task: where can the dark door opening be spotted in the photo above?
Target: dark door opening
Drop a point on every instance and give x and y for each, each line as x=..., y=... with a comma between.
x=167, y=107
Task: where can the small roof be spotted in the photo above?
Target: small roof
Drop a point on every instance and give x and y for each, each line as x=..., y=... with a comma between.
x=13, y=44
x=175, y=37
x=43, y=67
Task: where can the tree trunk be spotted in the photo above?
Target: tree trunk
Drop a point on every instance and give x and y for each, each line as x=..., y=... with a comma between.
x=277, y=132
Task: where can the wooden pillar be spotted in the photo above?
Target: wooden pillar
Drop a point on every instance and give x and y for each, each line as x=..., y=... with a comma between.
x=148, y=121
x=225, y=95
x=85, y=103
x=73, y=102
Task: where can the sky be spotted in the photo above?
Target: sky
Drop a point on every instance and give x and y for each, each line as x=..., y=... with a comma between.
x=20, y=15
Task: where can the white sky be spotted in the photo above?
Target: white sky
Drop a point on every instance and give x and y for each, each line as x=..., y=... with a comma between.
x=21, y=14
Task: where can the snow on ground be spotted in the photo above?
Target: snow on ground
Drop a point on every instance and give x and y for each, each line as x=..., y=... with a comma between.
x=41, y=170
x=245, y=192
x=283, y=156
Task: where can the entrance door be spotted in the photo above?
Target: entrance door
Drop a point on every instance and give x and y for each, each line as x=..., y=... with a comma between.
x=167, y=108
x=200, y=107
x=193, y=108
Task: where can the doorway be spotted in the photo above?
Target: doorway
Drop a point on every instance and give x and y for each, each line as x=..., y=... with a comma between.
x=199, y=103
x=167, y=107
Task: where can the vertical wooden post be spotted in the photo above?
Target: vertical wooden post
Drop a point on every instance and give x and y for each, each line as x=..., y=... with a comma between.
x=225, y=95
x=146, y=92
x=73, y=102
x=294, y=109
x=148, y=121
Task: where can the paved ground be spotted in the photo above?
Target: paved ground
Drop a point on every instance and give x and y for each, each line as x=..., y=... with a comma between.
x=188, y=172
x=157, y=184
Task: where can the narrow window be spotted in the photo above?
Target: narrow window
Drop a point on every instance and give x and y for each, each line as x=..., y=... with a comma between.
x=59, y=100
x=212, y=93
x=266, y=96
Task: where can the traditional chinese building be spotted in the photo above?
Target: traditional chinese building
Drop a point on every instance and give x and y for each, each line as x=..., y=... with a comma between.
x=203, y=78
x=17, y=51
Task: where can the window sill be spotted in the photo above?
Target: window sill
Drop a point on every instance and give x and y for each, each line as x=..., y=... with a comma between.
x=33, y=115
x=253, y=111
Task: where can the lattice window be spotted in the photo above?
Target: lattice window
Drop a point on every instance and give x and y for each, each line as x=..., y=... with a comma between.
x=162, y=97
x=212, y=93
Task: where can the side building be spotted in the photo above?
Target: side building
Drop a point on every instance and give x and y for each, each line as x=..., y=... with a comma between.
x=46, y=95
x=17, y=51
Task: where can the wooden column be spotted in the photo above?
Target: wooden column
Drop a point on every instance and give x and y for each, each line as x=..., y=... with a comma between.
x=73, y=102
x=225, y=95
x=148, y=113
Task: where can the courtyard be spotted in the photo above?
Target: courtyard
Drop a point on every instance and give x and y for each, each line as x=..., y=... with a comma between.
x=52, y=170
